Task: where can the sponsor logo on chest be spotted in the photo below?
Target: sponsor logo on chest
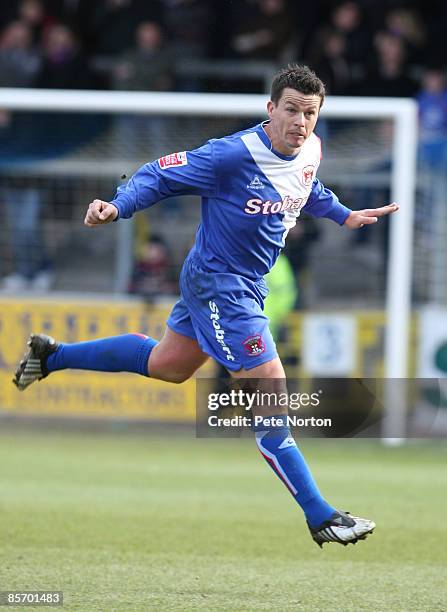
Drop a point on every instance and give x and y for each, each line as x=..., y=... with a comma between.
x=295, y=180
x=256, y=206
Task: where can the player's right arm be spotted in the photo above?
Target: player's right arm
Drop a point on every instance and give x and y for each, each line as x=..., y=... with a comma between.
x=100, y=212
x=185, y=173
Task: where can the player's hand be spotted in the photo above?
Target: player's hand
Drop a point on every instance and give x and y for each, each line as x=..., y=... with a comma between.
x=368, y=216
x=100, y=212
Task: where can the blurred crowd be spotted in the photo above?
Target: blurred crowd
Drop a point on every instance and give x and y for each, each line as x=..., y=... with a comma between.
x=358, y=47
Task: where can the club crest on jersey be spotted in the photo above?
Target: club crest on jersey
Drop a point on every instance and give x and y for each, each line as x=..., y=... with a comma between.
x=256, y=183
x=174, y=159
x=254, y=345
x=308, y=174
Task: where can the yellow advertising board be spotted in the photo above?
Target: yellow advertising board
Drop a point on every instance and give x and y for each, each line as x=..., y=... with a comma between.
x=87, y=394
x=129, y=396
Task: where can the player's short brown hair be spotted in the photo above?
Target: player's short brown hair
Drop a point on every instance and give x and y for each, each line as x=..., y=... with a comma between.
x=299, y=77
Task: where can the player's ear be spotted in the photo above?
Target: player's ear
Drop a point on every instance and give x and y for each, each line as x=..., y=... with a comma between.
x=270, y=108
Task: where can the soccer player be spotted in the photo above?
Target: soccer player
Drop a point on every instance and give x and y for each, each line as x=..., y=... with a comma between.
x=253, y=186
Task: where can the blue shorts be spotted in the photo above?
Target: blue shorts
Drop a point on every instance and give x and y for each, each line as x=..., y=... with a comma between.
x=224, y=313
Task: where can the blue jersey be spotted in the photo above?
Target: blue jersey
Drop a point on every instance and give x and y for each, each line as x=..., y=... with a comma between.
x=251, y=197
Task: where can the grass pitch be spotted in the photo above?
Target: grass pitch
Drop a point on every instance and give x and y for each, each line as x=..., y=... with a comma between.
x=133, y=522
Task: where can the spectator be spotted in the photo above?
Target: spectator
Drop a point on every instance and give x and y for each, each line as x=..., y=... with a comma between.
x=187, y=24
x=299, y=245
x=111, y=26
x=189, y=27
x=22, y=203
x=146, y=67
x=19, y=60
x=267, y=35
x=332, y=64
x=407, y=25
x=20, y=199
x=282, y=294
x=347, y=20
x=431, y=214
x=75, y=13
x=151, y=276
x=388, y=74
x=35, y=15
x=29, y=139
x=432, y=101
x=64, y=66
x=339, y=47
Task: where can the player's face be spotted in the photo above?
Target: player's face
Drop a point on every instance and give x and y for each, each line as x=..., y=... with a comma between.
x=292, y=120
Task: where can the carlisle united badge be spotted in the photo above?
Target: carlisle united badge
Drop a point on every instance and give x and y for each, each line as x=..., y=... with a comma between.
x=308, y=174
x=254, y=345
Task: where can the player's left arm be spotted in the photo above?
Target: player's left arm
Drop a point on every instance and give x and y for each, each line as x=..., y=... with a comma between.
x=368, y=216
x=323, y=202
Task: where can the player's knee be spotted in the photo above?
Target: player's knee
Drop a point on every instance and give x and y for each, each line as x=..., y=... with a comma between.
x=162, y=367
x=179, y=377
x=170, y=376
x=272, y=369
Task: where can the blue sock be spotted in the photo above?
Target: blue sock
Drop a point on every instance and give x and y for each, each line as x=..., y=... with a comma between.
x=127, y=353
x=281, y=452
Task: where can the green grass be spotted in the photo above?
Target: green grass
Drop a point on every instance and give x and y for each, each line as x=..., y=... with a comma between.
x=133, y=522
